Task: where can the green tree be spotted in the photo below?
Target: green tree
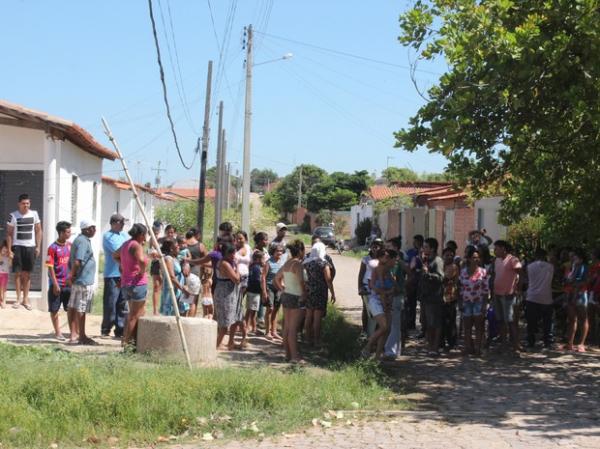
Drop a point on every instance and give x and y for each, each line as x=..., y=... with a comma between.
x=518, y=110
x=285, y=196
x=397, y=174
x=357, y=182
x=261, y=179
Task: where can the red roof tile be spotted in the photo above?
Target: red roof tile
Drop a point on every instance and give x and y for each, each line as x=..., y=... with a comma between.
x=70, y=130
x=382, y=192
x=191, y=194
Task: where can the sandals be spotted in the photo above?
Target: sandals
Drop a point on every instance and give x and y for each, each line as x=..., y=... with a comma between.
x=27, y=306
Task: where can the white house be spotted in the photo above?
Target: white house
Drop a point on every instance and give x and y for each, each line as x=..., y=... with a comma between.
x=117, y=197
x=59, y=165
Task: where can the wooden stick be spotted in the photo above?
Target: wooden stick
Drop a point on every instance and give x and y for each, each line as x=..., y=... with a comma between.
x=154, y=241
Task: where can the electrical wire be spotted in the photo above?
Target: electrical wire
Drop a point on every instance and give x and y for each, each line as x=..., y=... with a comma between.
x=164, y=88
x=349, y=55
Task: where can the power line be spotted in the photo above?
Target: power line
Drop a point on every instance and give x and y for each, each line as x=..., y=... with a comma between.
x=164, y=87
x=344, y=53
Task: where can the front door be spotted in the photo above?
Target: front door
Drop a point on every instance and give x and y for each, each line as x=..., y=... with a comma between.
x=12, y=184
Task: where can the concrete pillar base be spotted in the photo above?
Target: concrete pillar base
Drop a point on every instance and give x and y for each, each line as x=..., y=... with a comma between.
x=158, y=335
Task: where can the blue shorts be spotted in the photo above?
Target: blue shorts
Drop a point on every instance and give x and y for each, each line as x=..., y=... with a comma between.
x=55, y=301
x=134, y=292
x=472, y=308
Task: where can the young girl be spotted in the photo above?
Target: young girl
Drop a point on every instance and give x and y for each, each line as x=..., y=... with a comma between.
x=184, y=254
x=5, y=264
x=207, y=299
x=254, y=290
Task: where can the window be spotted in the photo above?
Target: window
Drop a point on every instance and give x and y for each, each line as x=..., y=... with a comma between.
x=74, y=183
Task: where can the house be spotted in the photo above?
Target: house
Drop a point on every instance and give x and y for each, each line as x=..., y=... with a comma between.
x=185, y=193
x=59, y=165
x=439, y=211
x=389, y=220
x=117, y=197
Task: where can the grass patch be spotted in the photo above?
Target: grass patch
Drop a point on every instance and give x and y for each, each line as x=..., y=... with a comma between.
x=303, y=237
x=51, y=396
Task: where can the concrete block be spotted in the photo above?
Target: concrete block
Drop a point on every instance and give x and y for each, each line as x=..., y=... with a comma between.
x=159, y=336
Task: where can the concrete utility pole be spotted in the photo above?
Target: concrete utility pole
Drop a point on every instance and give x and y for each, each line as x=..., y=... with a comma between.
x=247, y=135
x=204, y=155
x=218, y=174
x=228, y=188
x=223, y=170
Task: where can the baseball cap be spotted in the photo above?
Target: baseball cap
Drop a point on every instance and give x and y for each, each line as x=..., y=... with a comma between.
x=280, y=226
x=84, y=224
x=114, y=218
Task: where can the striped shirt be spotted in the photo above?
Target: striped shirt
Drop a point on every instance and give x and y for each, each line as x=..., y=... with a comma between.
x=23, y=227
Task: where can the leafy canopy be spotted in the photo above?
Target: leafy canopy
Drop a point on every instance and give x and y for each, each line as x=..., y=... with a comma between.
x=518, y=110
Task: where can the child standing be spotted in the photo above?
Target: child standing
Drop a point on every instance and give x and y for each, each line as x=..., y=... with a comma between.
x=191, y=291
x=59, y=291
x=207, y=299
x=5, y=264
x=254, y=290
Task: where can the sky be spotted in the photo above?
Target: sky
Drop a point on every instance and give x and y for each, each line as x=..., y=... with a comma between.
x=335, y=103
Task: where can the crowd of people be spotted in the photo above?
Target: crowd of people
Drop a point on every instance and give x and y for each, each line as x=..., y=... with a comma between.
x=242, y=287
x=478, y=297
x=491, y=287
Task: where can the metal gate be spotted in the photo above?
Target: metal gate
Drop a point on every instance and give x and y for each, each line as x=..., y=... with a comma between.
x=12, y=184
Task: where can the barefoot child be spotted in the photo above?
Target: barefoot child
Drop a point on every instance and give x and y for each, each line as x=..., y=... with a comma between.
x=254, y=290
x=207, y=299
x=5, y=264
x=191, y=292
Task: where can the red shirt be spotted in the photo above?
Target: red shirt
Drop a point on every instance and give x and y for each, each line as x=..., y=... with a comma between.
x=594, y=282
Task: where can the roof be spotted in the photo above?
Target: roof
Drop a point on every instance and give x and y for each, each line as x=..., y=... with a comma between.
x=191, y=194
x=382, y=192
x=59, y=127
x=121, y=185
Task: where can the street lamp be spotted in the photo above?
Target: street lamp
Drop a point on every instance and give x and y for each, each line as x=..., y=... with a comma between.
x=248, y=128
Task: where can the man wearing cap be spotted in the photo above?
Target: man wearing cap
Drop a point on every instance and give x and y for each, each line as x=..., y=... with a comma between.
x=114, y=312
x=279, y=240
x=82, y=266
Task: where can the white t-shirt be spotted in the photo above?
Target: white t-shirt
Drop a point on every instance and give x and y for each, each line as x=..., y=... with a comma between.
x=192, y=283
x=24, y=227
x=370, y=265
x=4, y=265
x=243, y=262
x=539, y=288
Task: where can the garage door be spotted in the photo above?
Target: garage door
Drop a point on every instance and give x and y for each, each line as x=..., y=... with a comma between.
x=12, y=184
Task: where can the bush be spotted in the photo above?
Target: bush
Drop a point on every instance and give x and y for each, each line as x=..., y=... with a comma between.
x=363, y=230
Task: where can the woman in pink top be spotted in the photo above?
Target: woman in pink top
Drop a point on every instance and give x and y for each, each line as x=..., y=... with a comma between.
x=474, y=292
x=134, y=280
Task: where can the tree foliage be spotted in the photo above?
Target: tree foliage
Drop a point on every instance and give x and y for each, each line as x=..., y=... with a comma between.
x=518, y=111
x=261, y=179
x=337, y=191
x=398, y=174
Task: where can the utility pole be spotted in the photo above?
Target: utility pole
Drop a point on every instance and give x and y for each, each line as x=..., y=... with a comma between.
x=300, y=190
x=228, y=189
x=218, y=173
x=158, y=170
x=247, y=135
x=223, y=171
x=236, y=200
x=204, y=155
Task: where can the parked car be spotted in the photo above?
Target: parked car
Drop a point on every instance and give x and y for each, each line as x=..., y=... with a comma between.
x=326, y=235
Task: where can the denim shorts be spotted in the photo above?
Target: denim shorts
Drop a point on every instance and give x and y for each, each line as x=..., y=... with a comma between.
x=375, y=305
x=472, y=308
x=504, y=308
x=134, y=292
x=580, y=299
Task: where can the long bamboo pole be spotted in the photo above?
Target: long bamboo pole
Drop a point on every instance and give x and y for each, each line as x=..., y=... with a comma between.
x=154, y=240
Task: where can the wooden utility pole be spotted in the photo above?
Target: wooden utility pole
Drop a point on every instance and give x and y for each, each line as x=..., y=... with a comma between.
x=247, y=134
x=218, y=193
x=204, y=155
x=158, y=170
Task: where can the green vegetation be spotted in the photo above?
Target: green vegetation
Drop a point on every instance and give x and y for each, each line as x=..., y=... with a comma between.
x=398, y=174
x=51, y=396
x=517, y=111
x=320, y=190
